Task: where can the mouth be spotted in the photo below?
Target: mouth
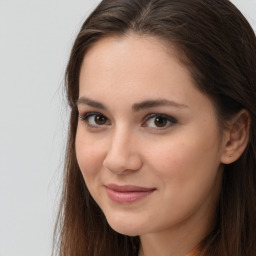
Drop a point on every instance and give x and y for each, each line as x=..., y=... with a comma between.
x=127, y=194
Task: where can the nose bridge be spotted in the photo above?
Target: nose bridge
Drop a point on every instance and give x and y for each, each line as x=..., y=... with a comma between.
x=122, y=153
x=122, y=139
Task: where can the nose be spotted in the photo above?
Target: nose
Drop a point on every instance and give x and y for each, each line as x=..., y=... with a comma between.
x=123, y=154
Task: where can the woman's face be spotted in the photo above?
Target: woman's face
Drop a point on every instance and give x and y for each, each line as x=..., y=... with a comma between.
x=148, y=141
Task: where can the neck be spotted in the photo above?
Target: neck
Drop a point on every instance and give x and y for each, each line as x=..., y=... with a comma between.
x=195, y=252
x=179, y=241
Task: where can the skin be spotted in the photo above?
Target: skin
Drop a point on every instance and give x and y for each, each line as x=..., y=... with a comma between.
x=181, y=160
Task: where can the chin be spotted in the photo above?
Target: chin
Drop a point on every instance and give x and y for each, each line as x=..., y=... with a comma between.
x=125, y=227
x=125, y=230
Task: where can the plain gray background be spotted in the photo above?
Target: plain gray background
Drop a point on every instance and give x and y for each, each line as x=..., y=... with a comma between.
x=35, y=41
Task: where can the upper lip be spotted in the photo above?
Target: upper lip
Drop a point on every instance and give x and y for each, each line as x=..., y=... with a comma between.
x=128, y=188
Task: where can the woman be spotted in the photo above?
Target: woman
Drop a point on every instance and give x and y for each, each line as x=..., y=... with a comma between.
x=161, y=149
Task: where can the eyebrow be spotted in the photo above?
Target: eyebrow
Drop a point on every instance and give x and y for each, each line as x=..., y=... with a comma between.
x=157, y=103
x=135, y=107
x=89, y=102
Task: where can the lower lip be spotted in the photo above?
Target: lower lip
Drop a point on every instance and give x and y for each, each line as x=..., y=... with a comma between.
x=127, y=197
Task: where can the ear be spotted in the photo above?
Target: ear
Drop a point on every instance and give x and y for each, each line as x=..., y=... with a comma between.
x=236, y=137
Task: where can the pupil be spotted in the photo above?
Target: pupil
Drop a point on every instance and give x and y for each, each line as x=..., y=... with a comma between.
x=160, y=121
x=100, y=119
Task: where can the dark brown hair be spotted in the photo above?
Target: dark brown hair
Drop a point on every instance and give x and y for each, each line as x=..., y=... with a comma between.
x=218, y=46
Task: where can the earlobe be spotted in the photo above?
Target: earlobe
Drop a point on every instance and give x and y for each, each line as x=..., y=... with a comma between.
x=237, y=137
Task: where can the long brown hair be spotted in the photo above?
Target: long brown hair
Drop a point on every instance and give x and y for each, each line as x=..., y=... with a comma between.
x=218, y=46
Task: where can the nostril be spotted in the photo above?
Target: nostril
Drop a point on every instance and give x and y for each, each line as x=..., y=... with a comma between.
x=121, y=164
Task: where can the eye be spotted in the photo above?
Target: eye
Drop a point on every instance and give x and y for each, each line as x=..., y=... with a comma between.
x=159, y=121
x=94, y=120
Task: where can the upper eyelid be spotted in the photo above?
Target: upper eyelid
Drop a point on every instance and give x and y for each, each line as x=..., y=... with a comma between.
x=152, y=115
x=83, y=112
x=89, y=114
x=171, y=121
x=145, y=118
x=158, y=114
x=84, y=118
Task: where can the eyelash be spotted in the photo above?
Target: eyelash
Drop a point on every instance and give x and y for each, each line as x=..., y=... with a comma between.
x=86, y=117
x=168, y=119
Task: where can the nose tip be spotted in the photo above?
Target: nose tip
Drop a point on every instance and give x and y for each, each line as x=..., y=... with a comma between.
x=122, y=161
x=122, y=153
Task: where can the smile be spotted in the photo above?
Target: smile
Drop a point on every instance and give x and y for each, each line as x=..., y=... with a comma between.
x=127, y=194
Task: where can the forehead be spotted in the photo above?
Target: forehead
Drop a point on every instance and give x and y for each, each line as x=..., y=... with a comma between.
x=132, y=60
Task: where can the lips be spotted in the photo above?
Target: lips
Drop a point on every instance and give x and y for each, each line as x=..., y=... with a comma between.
x=127, y=194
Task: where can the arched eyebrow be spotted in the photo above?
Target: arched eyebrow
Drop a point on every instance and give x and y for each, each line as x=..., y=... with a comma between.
x=89, y=102
x=156, y=103
x=135, y=107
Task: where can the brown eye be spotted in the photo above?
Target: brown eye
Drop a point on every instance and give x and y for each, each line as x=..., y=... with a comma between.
x=94, y=120
x=100, y=119
x=160, y=121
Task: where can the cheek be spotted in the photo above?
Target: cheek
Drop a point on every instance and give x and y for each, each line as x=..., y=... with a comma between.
x=89, y=153
x=188, y=175
x=185, y=163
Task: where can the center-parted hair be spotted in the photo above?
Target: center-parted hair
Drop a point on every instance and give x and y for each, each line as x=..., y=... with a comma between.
x=218, y=46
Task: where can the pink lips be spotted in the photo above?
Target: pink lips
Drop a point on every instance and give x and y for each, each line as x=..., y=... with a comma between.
x=127, y=194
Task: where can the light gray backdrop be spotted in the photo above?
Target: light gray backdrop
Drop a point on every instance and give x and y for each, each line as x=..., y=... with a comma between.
x=35, y=41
